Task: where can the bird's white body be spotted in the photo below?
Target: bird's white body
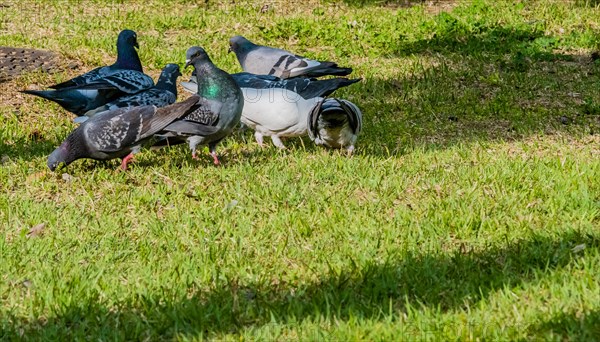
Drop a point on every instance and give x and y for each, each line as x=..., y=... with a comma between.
x=276, y=113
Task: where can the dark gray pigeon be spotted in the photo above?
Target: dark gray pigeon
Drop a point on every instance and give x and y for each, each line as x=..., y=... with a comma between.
x=306, y=87
x=120, y=133
x=335, y=123
x=220, y=104
x=264, y=60
x=102, y=85
x=162, y=94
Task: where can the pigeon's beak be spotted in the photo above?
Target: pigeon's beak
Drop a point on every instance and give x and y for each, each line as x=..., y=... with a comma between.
x=136, y=45
x=188, y=62
x=55, y=165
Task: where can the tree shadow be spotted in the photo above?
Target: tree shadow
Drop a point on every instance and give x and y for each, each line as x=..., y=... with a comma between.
x=27, y=148
x=471, y=83
x=399, y=3
x=587, y=3
x=570, y=327
x=369, y=289
x=441, y=4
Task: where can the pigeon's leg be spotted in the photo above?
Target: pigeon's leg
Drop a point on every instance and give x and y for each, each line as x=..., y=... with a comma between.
x=277, y=142
x=350, y=150
x=212, y=150
x=215, y=158
x=193, y=142
x=126, y=161
x=259, y=139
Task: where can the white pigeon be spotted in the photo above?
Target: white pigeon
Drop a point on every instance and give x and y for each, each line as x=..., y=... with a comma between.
x=276, y=113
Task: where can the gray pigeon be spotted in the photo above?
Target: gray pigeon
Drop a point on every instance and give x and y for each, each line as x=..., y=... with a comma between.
x=335, y=123
x=264, y=60
x=220, y=104
x=102, y=85
x=306, y=87
x=120, y=133
x=162, y=94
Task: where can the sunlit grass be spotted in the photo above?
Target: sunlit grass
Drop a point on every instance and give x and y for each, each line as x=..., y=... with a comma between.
x=469, y=211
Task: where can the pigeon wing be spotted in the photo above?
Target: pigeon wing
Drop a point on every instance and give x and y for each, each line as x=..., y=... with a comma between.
x=191, y=86
x=151, y=97
x=313, y=120
x=127, y=81
x=114, y=130
x=353, y=113
x=80, y=80
x=206, y=112
x=200, y=118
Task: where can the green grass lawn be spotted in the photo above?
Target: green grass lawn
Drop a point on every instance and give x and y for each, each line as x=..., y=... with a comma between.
x=470, y=210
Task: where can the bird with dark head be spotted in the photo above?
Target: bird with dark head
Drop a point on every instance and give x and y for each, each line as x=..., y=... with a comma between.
x=128, y=57
x=239, y=45
x=66, y=153
x=168, y=77
x=121, y=133
x=220, y=105
x=162, y=94
x=264, y=60
x=104, y=84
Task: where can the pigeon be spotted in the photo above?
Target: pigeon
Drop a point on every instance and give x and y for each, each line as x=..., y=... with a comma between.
x=276, y=113
x=120, y=133
x=306, y=87
x=220, y=103
x=102, y=85
x=127, y=59
x=264, y=60
x=162, y=94
x=335, y=123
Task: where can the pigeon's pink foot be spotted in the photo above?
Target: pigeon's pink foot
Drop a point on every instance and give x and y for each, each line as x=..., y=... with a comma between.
x=215, y=159
x=126, y=161
x=194, y=155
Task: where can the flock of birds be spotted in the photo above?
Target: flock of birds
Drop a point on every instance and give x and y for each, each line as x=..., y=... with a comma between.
x=121, y=110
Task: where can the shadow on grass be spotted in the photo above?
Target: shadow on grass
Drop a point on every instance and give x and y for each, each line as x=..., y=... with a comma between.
x=478, y=83
x=440, y=4
x=370, y=291
x=400, y=3
x=571, y=326
x=27, y=149
x=587, y=3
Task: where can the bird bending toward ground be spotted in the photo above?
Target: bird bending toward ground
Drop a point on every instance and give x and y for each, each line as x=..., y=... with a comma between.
x=335, y=123
x=120, y=133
